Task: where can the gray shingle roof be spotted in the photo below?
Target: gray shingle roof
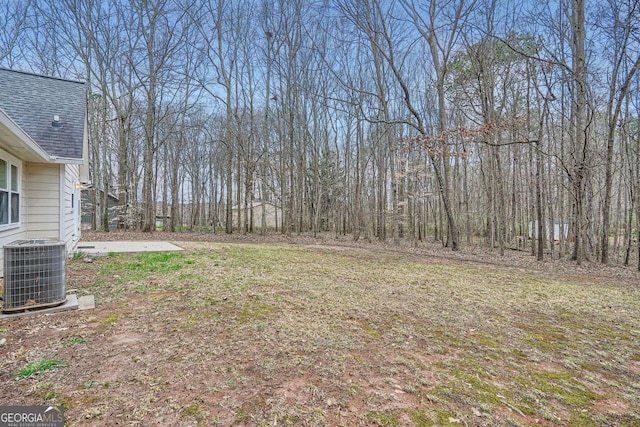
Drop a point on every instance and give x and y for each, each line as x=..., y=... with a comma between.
x=32, y=100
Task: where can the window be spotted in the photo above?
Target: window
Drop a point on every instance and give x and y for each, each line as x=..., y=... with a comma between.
x=9, y=193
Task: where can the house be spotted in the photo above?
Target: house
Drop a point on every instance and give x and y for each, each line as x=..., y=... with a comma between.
x=273, y=215
x=43, y=148
x=161, y=220
x=560, y=230
x=88, y=207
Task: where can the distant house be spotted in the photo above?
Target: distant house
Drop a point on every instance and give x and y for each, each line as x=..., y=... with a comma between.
x=560, y=230
x=161, y=221
x=273, y=212
x=88, y=199
x=43, y=146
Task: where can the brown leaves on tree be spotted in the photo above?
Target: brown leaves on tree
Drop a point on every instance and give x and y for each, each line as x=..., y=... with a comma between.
x=438, y=144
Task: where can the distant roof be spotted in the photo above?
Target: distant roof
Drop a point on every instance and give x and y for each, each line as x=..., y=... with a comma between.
x=255, y=204
x=32, y=101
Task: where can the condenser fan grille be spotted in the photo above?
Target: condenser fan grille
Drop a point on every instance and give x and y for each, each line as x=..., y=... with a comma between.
x=34, y=274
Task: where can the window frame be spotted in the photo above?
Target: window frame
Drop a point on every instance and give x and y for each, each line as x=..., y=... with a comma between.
x=12, y=162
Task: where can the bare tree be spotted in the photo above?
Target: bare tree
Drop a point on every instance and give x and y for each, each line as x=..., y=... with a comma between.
x=13, y=20
x=623, y=16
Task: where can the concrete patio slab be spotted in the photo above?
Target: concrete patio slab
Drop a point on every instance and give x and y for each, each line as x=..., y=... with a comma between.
x=104, y=248
x=70, y=304
x=86, y=302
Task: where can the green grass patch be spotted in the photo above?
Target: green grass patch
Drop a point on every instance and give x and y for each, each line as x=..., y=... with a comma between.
x=191, y=410
x=563, y=385
x=420, y=417
x=481, y=389
x=194, y=411
x=41, y=366
x=45, y=390
x=559, y=385
x=110, y=319
x=369, y=329
x=74, y=341
x=155, y=262
x=142, y=273
x=253, y=310
x=382, y=420
x=446, y=418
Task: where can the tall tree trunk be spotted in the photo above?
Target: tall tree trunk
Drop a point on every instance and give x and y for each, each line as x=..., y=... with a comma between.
x=614, y=114
x=580, y=149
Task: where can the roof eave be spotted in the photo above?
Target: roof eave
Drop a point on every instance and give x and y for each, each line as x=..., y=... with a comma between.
x=66, y=160
x=20, y=143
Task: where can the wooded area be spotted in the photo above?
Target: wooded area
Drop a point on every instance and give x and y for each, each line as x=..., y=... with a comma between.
x=461, y=121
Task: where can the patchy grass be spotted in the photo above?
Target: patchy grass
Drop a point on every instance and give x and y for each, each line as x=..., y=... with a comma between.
x=236, y=334
x=110, y=319
x=41, y=366
x=145, y=263
x=74, y=341
x=45, y=390
x=383, y=420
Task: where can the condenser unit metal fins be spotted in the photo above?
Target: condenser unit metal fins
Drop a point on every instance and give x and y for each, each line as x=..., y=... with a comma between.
x=34, y=274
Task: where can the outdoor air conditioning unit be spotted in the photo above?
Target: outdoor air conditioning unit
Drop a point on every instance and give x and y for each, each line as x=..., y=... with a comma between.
x=34, y=274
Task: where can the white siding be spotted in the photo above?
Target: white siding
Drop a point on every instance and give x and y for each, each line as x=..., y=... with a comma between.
x=42, y=185
x=71, y=222
x=49, y=204
x=44, y=188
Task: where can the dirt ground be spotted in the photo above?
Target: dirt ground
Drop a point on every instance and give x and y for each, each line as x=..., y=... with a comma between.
x=252, y=330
